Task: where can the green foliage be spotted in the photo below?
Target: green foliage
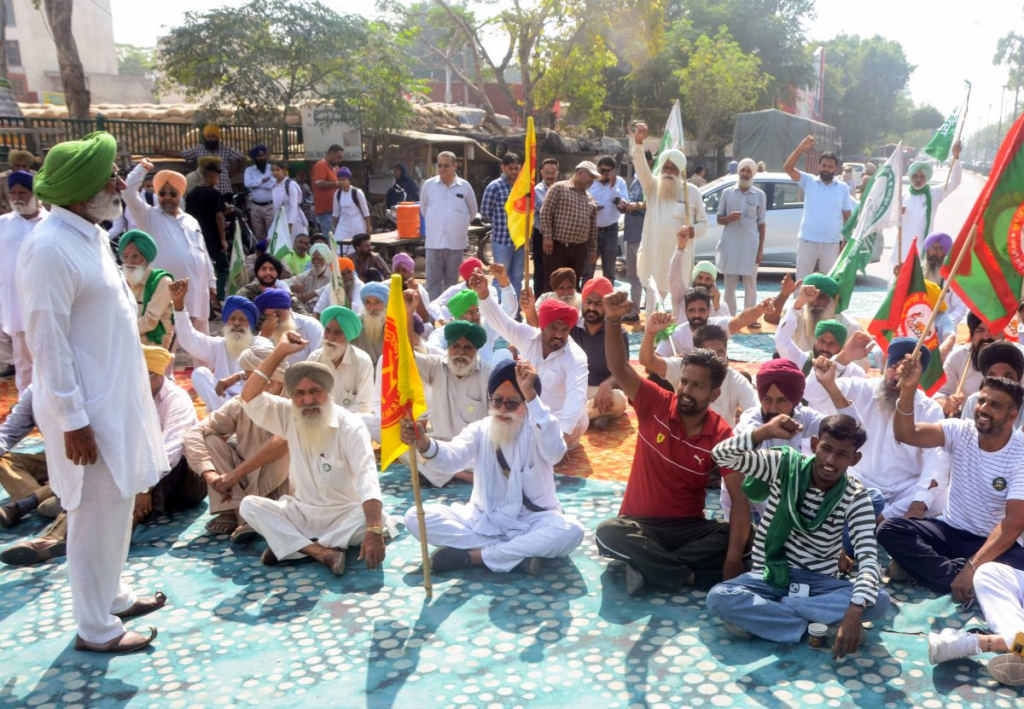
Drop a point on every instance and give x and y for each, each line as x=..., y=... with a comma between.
x=583, y=91
x=136, y=61
x=1010, y=53
x=925, y=117
x=270, y=55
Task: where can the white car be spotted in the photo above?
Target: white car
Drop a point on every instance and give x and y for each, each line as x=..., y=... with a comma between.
x=784, y=213
x=858, y=170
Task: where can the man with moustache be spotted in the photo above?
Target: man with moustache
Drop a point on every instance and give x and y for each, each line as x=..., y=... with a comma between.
x=351, y=367
x=921, y=203
x=336, y=500
x=830, y=340
x=150, y=286
x=705, y=276
x=348, y=291
x=563, y=287
x=741, y=209
x=661, y=532
x=269, y=272
x=961, y=357
x=465, y=307
x=309, y=284
x=696, y=310
x=548, y=176
x=936, y=247
x=513, y=518
x=260, y=183
x=375, y=303
x=231, y=161
x=605, y=400
x=25, y=215
x=279, y=319
x=500, y=283
x=1000, y=359
x=492, y=208
x=815, y=302
x=568, y=223
x=608, y=190
x=667, y=221
x=20, y=161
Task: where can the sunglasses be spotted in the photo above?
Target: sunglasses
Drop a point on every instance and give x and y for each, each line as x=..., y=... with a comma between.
x=606, y=170
x=509, y=404
x=445, y=164
x=168, y=193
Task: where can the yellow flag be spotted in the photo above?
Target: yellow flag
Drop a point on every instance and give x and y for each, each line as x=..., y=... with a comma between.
x=519, y=206
x=401, y=390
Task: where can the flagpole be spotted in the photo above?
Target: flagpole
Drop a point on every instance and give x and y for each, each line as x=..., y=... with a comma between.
x=526, y=239
x=899, y=213
x=968, y=246
x=428, y=586
x=963, y=377
x=959, y=132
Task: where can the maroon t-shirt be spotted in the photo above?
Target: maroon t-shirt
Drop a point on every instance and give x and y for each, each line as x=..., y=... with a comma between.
x=670, y=470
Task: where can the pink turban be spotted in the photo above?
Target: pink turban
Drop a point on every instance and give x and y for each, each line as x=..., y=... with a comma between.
x=468, y=266
x=553, y=309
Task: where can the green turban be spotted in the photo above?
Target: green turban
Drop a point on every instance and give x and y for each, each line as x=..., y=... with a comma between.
x=350, y=323
x=315, y=371
x=922, y=166
x=705, y=267
x=837, y=329
x=76, y=170
x=457, y=329
x=143, y=242
x=463, y=301
x=826, y=284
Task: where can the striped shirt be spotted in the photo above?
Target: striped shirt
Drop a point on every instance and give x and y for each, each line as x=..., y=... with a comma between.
x=569, y=215
x=980, y=482
x=492, y=208
x=817, y=552
x=228, y=157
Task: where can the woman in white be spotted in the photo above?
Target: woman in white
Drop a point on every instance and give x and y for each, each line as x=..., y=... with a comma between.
x=288, y=194
x=351, y=212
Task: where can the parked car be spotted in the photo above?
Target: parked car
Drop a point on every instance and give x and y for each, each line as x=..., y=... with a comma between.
x=785, y=210
x=858, y=170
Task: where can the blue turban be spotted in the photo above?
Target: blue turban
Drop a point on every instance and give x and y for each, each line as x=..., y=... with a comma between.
x=237, y=302
x=273, y=299
x=506, y=372
x=418, y=326
x=902, y=346
x=256, y=150
x=375, y=290
x=261, y=245
x=20, y=177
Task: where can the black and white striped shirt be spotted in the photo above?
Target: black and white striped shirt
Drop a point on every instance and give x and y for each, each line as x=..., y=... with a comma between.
x=817, y=552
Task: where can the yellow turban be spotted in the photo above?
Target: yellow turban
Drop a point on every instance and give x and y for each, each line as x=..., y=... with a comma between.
x=211, y=131
x=157, y=358
x=176, y=179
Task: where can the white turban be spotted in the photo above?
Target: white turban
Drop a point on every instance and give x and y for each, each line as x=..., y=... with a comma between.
x=673, y=156
x=747, y=162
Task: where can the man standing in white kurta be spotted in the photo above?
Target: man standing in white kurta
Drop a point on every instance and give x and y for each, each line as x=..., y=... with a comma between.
x=921, y=202
x=336, y=501
x=666, y=215
x=103, y=442
x=513, y=516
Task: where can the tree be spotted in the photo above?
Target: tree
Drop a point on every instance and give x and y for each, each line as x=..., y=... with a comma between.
x=1010, y=52
x=72, y=74
x=925, y=117
x=136, y=61
x=269, y=56
x=719, y=81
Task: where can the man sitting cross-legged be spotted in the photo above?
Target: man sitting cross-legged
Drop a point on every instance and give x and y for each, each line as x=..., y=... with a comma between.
x=661, y=532
x=696, y=309
x=236, y=457
x=513, y=516
x=336, y=501
x=811, y=498
x=605, y=400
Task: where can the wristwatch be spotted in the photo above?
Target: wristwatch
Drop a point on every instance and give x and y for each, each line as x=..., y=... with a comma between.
x=375, y=530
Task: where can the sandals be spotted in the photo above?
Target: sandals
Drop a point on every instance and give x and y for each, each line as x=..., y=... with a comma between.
x=146, y=604
x=224, y=523
x=243, y=533
x=129, y=641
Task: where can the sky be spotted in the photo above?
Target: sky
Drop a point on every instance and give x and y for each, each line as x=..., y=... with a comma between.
x=946, y=47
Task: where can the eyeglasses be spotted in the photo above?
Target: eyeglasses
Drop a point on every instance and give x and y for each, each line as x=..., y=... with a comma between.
x=606, y=170
x=444, y=164
x=509, y=404
x=168, y=193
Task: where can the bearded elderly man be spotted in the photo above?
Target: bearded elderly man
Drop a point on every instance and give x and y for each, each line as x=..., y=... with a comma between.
x=351, y=367
x=345, y=289
x=465, y=306
x=501, y=288
x=671, y=214
x=561, y=363
x=217, y=385
x=181, y=248
x=308, y=285
x=20, y=161
x=513, y=518
x=830, y=340
x=936, y=247
x=375, y=302
x=15, y=226
x=279, y=319
x=815, y=301
x=336, y=501
x=921, y=203
x=741, y=209
x=103, y=441
x=150, y=286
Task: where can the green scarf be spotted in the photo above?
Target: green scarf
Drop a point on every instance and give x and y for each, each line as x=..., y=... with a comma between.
x=927, y=192
x=156, y=335
x=795, y=475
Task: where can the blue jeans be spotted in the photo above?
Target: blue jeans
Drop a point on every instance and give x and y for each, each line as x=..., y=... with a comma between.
x=326, y=222
x=513, y=260
x=878, y=502
x=751, y=603
x=608, y=248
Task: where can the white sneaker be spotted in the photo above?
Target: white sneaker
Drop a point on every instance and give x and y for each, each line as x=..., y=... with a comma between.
x=951, y=644
x=1007, y=669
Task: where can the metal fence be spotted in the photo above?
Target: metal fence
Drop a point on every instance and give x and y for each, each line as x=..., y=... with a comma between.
x=38, y=135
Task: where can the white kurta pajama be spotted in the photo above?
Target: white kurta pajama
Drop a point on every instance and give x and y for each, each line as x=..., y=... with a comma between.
x=496, y=520
x=353, y=379
x=329, y=485
x=89, y=371
x=13, y=230
x=917, y=222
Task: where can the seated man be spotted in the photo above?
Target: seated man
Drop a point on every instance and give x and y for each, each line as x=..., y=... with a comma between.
x=605, y=400
x=375, y=303
x=308, y=285
x=1000, y=359
x=815, y=301
x=351, y=367
x=269, y=272
x=705, y=276
x=235, y=457
x=560, y=363
x=962, y=364
x=279, y=319
x=795, y=578
x=370, y=267
x=151, y=288
x=737, y=392
x=811, y=324
x=504, y=292
x=984, y=514
x=563, y=287
x=348, y=292
x=336, y=501
x=513, y=517
x=406, y=268
x=697, y=304
x=662, y=533
x=216, y=387
x=465, y=306
x=259, y=249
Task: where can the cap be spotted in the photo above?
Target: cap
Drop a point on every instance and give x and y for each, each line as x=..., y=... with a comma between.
x=589, y=167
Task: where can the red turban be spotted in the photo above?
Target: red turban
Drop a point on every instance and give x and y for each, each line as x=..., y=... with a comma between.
x=601, y=286
x=783, y=374
x=553, y=309
x=468, y=266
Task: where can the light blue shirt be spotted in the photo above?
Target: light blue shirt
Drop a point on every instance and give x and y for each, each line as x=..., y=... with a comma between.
x=824, y=205
x=539, y=191
x=259, y=184
x=604, y=195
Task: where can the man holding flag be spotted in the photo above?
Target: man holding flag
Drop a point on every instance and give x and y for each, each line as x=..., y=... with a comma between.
x=508, y=252
x=921, y=202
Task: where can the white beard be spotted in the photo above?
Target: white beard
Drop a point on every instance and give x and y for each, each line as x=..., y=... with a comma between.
x=745, y=183
x=134, y=274
x=26, y=209
x=885, y=397
x=237, y=342
x=281, y=329
x=373, y=328
x=569, y=300
x=331, y=351
x=502, y=432
x=103, y=206
x=313, y=430
x=318, y=271
x=460, y=366
x=670, y=187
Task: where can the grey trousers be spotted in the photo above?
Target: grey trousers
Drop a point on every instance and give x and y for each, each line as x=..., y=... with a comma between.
x=442, y=270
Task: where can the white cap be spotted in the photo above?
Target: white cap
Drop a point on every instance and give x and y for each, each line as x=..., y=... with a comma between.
x=589, y=167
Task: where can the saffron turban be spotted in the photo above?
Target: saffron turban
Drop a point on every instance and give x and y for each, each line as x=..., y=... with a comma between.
x=506, y=372
x=238, y=302
x=933, y=295
x=468, y=266
x=704, y=267
x=554, y=309
x=346, y=264
x=251, y=359
x=143, y=242
x=76, y=170
x=349, y=322
x=267, y=258
x=256, y=150
x=20, y=177
x=375, y=290
x=923, y=167
x=273, y=299
x=457, y=329
x=318, y=373
x=157, y=359
x=211, y=131
x=463, y=301
x=826, y=284
x=403, y=260
x=560, y=275
x=939, y=238
x=344, y=172
x=835, y=327
x=602, y=286
x=176, y=180
x=785, y=375
x=320, y=248
x=901, y=347
x=1001, y=352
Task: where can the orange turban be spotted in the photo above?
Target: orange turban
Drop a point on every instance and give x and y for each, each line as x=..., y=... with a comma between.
x=346, y=264
x=176, y=180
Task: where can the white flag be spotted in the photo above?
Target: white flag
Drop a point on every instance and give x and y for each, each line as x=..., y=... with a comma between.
x=879, y=205
x=280, y=236
x=673, y=135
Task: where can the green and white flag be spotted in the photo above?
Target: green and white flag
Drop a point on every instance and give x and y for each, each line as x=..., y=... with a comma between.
x=877, y=211
x=236, y=273
x=942, y=142
x=280, y=243
x=673, y=135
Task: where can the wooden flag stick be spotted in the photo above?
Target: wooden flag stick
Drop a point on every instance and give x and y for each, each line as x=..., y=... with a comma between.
x=428, y=587
x=526, y=240
x=968, y=246
x=963, y=377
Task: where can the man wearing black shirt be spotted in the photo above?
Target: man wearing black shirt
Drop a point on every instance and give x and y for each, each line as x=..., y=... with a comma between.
x=207, y=205
x=605, y=402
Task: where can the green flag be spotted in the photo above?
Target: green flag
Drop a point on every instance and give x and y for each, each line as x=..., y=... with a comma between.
x=280, y=240
x=236, y=273
x=876, y=211
x=941, y=143
x=673, y=135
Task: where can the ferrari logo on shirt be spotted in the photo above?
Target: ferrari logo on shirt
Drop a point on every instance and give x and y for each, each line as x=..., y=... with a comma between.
x=660, y=438
x=999, y=484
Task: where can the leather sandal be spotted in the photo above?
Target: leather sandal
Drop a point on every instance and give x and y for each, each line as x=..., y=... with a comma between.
x=146, y=604
x=129, y=641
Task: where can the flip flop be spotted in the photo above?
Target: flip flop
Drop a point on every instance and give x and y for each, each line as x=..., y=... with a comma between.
x=129, y=641
x=146, y=604
x=222, y=524
x=243, y=533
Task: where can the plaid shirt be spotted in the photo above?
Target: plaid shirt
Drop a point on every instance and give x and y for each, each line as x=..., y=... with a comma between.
x=569, y=216
x=492, y=207
x=228, y=157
